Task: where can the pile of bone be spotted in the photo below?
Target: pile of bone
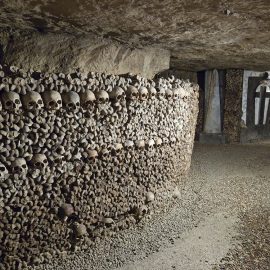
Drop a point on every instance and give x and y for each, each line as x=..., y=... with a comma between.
x=84, y=156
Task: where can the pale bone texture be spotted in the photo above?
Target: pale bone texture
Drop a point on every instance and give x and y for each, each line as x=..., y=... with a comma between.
x=52, y=100
x=71, y=101
x=11, y=101
x=32, y=101
x=117, y=94
x=132, y=93
x=143, y=93
x=19, y=166
x=88, y=99
x=92, y=170
x=39, y=161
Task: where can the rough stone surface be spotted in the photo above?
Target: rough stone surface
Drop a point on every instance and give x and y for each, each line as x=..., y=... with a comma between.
x=180, y=74
x=65, y=52
x=233, y=105
x=201, y=34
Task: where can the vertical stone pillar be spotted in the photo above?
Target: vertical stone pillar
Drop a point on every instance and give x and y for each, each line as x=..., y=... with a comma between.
x=233, y=105
x=212, y=132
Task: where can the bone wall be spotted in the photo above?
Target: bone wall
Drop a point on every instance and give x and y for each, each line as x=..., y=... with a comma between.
x=82, y=157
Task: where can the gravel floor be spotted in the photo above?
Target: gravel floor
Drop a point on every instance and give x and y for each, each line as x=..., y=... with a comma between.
x=212, y=226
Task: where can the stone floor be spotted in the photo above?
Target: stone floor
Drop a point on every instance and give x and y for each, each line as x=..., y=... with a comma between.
x=221, y=221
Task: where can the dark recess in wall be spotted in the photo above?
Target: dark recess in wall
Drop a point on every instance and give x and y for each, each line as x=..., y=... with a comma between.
x=1, y=54
x=201, y=83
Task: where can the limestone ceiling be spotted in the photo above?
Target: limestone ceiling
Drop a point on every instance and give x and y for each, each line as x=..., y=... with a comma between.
x=199, y=33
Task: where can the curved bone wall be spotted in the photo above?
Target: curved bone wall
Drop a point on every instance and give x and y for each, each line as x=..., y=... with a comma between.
x=84, y=156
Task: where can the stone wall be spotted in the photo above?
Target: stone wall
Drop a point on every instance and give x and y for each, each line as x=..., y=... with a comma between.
x=82, y=157
x=64, y=52
x=179, y=74
x=233, y=105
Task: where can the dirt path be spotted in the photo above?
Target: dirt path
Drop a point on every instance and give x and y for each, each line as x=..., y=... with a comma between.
x=198, y=248
x=234, y=178
x=221, y=221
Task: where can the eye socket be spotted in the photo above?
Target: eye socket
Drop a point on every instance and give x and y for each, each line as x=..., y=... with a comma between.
x=51, y=103
x=59, y=102
x=2, y=169
x=45, y=161
x=78, y=104
x=38, y=164
x=40, y=101
x=9, y=103
x=16, y=168
x=17, y=101
x=24, y=166
x=31, y=103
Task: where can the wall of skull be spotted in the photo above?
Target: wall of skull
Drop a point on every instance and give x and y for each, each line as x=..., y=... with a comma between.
x=84, y=156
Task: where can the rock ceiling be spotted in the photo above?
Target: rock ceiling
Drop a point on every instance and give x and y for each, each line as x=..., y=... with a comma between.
x=199, y=33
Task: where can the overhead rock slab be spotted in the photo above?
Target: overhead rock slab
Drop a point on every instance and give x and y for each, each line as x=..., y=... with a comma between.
x=201, y=34
x=65, y=52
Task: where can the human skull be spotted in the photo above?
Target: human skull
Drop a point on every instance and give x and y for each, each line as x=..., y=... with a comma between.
x=141, y=211
x=182, y=93
x=152, y=92
x=118, y=147
x=3, y=171
x=39, y=161
x=132, y=92
x=65, y=211
x=32, y=101
x=87, y=99
x=176, y=93
x=11, y=101
x=176, y=193
x=19, y=166
x=140, y=144
x=196, y=87
x=71, y=101
x=52, y=100
x=117, y=94
x=150, y=196
x=150, y=144
x=92, y=154
x=143, y=93
x=158, y=141
x=104, y=152
x=129, y=144
x=107, y=221
x=79, y=229
x=102, y=97
x=161, y=93
x=168, y=93
x=173, y=140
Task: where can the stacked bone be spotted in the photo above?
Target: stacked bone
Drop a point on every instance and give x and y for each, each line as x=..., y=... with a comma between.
x=84, y=156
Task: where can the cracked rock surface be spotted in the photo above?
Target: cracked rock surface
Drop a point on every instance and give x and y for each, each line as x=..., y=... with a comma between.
x=200, y=34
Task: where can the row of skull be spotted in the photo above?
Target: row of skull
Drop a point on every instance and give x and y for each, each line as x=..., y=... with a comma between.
x=40, y=161
x=53, y=100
